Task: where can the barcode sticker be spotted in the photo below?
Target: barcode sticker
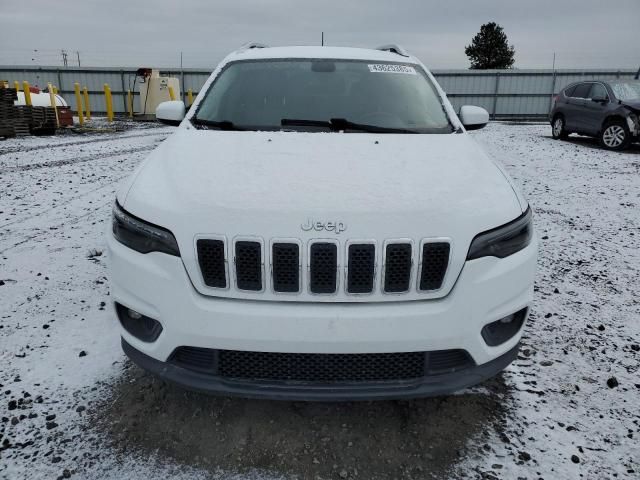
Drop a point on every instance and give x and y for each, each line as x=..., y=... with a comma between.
x=387, y=68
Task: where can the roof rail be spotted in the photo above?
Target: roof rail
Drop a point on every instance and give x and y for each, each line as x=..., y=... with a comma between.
x=250, y=45
x=397, y=49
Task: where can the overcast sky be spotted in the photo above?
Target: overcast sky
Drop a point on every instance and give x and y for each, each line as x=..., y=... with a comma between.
x=583, y=33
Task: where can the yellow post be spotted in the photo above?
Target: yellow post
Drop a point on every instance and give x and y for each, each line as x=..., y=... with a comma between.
x=55, y=90
x=27, y=93
x=52, y=99
x=107, y=97
x=76, y=87
x=130, y=103
x=190, y=97
x=16, y=85
x=87, y=108
x=172, y=95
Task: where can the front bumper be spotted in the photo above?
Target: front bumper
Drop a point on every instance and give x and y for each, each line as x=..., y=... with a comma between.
x=428, y=386
x=158, y=286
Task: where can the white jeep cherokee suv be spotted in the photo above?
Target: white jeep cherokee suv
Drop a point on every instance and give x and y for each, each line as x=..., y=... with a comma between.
x=320, y=226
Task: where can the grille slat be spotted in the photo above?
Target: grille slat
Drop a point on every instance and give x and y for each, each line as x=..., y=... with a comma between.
x=212, y=262
x=435, y=259
x=397, y=274
x=248, y=265
x=323, y=264
x=320, y=368
x=361, y=268
x=286, y=267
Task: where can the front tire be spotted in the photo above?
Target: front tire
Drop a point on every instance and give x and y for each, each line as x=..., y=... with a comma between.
x=615, y=135
x=558, y=131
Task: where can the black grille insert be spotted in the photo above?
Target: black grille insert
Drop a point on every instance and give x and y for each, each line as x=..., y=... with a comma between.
x=194, y=358
x=211, y=260
x=435, y=259
x=361, y=268
x=323, y=264
x=321, y=368
x=397, y=274
x=286, y=267
x=446, y=361
x=248, y=265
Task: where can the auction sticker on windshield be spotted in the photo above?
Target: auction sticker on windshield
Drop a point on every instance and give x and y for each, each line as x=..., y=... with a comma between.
x=386, y=68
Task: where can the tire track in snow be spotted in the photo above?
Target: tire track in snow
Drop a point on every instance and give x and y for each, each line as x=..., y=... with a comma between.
x=20, y=149
x=71, y=161
x=56, y=226
x=112, y=181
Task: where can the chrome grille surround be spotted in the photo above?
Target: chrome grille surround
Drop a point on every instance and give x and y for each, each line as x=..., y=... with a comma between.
x=342, y=268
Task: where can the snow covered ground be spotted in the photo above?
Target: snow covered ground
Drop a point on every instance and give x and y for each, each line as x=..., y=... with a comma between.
x=71, y=406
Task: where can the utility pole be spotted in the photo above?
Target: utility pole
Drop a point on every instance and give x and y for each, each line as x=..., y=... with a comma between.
x=78, y=54
x=322, y=42
x=64, y=58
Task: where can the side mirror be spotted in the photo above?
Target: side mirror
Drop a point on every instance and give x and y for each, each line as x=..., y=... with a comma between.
x=171, y=113
x=473, y=118
x=600, y=99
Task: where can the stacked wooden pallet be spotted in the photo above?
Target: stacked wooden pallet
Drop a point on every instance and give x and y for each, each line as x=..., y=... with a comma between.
x=21, y=120
x=43, y=120
x=7, y=111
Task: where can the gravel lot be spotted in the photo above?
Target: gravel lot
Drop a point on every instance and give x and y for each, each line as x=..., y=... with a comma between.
x=71, y=406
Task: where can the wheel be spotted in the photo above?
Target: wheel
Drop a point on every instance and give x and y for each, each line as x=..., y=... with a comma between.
x=615, y=135
x=557, y=129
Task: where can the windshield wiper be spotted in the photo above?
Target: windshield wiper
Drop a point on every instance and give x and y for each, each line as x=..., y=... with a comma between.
x=338, y=124
x=222, y=125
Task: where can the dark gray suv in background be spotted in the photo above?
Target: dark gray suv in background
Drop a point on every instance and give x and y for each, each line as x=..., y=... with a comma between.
x=608, y=110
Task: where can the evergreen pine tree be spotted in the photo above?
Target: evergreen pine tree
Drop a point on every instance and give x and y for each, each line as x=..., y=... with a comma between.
x=490, y=48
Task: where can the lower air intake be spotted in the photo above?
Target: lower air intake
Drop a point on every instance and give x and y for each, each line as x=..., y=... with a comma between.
x=319, y=368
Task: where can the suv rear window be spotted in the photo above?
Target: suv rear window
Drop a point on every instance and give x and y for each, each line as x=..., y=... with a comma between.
x=582, y=90
x=308, y=95
x=598, y=91
x=569, y=91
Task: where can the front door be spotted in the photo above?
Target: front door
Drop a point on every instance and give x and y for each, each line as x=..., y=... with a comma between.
x=576, y=108
x=594, y=112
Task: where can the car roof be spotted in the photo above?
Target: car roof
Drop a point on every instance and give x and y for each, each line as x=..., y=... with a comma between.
x=335, y=53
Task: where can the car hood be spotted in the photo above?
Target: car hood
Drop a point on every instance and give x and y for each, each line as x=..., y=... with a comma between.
x=271, y=184
x=212, y=173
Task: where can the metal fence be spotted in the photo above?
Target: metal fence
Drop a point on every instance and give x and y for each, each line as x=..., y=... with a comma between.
x=505, y=94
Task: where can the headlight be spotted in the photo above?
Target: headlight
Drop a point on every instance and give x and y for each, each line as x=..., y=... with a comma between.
x=140, y=235
x=503, y=241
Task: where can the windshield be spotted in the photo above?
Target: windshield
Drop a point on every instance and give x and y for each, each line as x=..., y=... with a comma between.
x=321, y=95
x=626, y=90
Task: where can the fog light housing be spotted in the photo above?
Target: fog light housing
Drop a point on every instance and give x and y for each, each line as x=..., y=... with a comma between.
x=140, y=326
x=498, y=332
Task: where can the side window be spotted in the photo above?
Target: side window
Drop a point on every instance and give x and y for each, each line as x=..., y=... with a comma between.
x=569, y=91
x=598, y=91
x=582, y=90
